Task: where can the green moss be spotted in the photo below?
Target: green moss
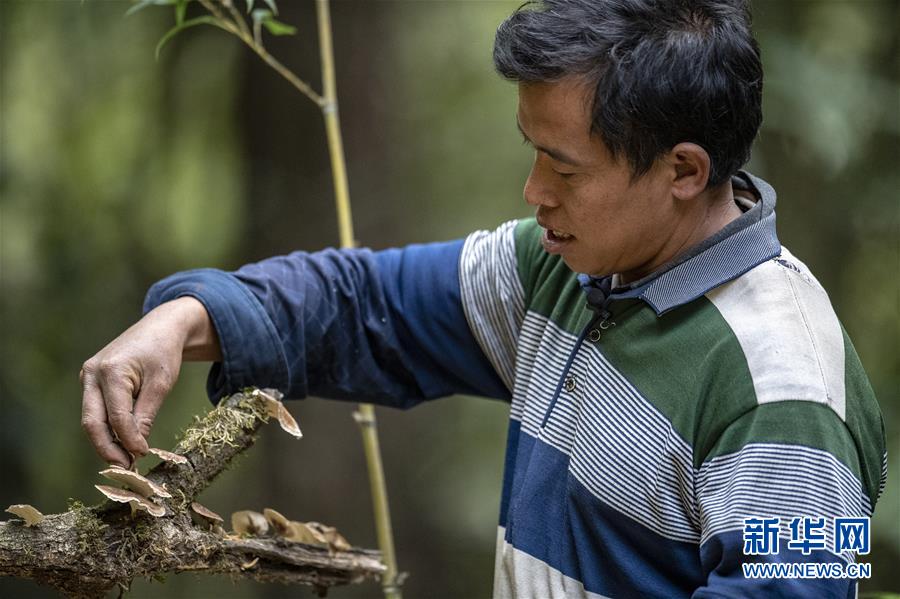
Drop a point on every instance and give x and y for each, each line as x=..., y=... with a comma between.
x=89, y=529
x=222, y=425
x=140, y=547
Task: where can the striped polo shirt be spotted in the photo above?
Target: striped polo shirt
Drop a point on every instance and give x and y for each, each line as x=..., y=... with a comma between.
x=647, y=422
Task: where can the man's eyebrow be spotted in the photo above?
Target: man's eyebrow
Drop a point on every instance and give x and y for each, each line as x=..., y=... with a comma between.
x=551, y=152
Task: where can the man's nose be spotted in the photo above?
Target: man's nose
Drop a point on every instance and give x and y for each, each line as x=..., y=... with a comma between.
x=538, y=188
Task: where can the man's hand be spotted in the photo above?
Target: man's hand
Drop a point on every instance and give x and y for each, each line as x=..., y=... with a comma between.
x=125, y=384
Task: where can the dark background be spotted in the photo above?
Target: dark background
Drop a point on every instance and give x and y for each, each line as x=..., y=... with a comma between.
x=116, y=170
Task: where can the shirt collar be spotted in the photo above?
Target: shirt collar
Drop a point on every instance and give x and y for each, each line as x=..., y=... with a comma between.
x=744, y=243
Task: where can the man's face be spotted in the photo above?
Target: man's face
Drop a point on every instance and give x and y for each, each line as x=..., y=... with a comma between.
x=593, y=215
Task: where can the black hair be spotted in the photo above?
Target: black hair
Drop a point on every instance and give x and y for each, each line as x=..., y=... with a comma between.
x=664, y=72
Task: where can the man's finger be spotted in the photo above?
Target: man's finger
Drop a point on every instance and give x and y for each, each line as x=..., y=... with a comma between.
x=94, y=423
x=147, y=404
x=117, y=396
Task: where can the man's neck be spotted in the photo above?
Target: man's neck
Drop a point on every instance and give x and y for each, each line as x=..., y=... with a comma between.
x=704, y=217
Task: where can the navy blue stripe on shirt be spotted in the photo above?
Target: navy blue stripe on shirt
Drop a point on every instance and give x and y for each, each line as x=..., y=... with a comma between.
x=555, y=519
x=509, y=466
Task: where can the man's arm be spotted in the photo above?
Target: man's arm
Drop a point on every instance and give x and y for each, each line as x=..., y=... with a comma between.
x=384, y=327
x=387, y=327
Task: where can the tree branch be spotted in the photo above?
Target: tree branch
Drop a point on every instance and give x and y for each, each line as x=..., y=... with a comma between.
x=86, y=551
x=246, y=37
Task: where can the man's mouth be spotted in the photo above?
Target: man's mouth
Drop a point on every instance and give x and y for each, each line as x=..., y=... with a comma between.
x=557, y=235
x=556, y=241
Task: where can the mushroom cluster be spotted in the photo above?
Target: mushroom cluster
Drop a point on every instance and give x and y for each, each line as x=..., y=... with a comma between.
x=273, y=523
x=141, y=492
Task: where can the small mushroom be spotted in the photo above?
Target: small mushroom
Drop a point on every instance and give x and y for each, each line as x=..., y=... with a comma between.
x=168, y=456
x=248, y=522
x=334, y=539
x=137, y=501
x=279, y=523
x=27, y=512
x=299, y=532
x=291, y=530
x=135, y=481
x=276, y=409
x=206, y=515
x=337, y=542
x=287, y=422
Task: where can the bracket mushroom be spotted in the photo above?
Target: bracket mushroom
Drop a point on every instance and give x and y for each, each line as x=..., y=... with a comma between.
x=275, y=408
x=168, y=456
x=335, y=540
x=312, y=533
x=206, y=516
x=248, y=522
x=136, y=482
x=137, y=501
x=27, y=512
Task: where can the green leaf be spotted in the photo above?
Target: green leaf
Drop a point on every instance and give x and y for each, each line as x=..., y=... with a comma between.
x=249, y=5
x=207, y=20
x=278, y=28
x=180, y=9
x=142, y=4
x=271, y=4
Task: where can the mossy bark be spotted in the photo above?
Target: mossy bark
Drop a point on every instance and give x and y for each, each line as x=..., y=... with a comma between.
x=86, y=551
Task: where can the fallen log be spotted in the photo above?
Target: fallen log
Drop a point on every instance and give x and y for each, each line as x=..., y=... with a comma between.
x=86, y=551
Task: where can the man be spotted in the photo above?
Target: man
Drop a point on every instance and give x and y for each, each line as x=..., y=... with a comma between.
x=678, y=380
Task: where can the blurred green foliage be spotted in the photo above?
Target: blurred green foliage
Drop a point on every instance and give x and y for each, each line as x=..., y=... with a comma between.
x=116, y=170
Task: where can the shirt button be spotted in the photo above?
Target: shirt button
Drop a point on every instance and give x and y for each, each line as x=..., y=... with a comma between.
x=594, y=335
x=569, y=384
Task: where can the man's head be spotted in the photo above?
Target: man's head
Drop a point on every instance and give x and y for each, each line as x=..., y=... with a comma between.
x=659, y=101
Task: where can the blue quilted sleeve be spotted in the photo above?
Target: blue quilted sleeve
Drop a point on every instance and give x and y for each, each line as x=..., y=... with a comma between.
x=385, y=327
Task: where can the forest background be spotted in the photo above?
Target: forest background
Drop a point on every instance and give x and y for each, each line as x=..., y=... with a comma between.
x=116, y=170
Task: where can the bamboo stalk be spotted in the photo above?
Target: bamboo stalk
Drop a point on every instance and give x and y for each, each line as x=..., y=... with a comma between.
x=327, y=102
x=365, y=416
x=333, y=127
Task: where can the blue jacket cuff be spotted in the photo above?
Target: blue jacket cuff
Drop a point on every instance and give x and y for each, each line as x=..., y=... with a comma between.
x=252, y=353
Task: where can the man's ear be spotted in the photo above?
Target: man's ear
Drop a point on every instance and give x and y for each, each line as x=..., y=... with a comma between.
x=689, y=165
